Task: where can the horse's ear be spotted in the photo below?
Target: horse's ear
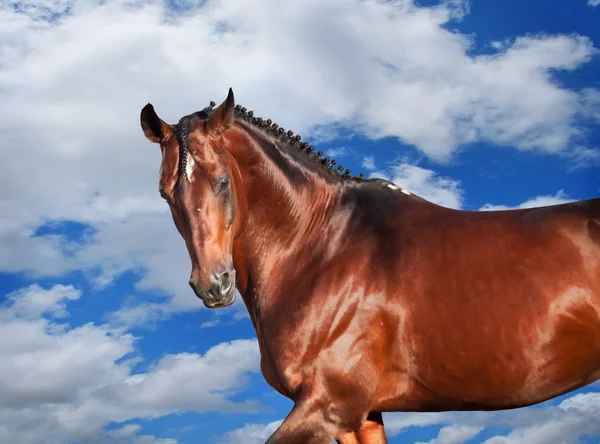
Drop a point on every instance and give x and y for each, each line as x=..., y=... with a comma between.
x=155, y=129
x=222, y=117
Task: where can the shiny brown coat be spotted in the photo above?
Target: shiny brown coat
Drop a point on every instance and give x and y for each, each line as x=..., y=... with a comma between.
x=368, y=299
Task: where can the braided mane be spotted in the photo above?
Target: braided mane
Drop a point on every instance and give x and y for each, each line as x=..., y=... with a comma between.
x=280, y=135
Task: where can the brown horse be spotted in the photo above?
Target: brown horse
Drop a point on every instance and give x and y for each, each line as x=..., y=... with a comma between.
x=366, y=298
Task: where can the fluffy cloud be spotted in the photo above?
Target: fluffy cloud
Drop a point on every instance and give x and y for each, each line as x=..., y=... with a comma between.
x=593, y=3
x=340, y=151
x=128, y=435
x=368, y=162
x=570, y=420
x=251, y=433
x=75, y=74
x=456, y=434
x=67, y=383
x=539, y=201
x=34, y=301
x=396, y=424
x=424, y=183
x=584, y=157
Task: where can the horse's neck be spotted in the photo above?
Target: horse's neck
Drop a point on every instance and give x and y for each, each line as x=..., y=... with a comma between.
x=284, y=217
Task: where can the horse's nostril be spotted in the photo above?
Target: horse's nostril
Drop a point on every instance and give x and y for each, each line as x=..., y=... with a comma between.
x=224, y=282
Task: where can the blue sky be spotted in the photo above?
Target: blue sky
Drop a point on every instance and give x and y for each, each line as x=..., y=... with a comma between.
x=472, y=105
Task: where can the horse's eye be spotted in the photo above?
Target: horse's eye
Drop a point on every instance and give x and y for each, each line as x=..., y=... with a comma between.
x=224, y=184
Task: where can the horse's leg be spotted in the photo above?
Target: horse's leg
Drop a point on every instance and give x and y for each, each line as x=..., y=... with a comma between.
x=372, y=431
x=348, y=438
x=307, y=423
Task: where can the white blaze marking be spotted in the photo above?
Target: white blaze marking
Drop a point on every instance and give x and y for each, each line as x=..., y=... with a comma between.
x=189, y=167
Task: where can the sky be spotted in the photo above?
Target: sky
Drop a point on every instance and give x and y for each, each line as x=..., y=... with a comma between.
x=470, y=104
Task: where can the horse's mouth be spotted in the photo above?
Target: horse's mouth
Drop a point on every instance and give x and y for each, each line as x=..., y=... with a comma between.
x=221, y=302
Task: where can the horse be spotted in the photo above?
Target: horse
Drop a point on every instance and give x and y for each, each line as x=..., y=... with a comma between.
x=367, y=298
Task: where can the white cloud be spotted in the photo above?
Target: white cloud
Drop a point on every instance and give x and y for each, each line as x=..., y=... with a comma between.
x=250, y=433
x=340, y=151
x=75, y=74
x=188, y=381
x=426, y=184
x=539, y=201
x=396, y=424
x=368, y=162
x=34, y=301
x=572, y=419
x=593, y=3
x=128, y=435
x=124, y=431
x=590, y=103
x=583, y=157
x=67, y=383
x=455, y=434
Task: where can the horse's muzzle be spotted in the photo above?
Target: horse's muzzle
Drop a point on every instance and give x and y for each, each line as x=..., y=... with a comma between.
x=221, y=292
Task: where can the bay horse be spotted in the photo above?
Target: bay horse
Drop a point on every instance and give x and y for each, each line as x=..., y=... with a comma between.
x=367, y=298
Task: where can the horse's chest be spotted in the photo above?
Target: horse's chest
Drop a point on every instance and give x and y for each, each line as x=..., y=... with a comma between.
x=284, y=360
x=285, y=379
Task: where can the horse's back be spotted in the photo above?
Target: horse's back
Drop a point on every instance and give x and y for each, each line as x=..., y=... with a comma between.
x=500, y=308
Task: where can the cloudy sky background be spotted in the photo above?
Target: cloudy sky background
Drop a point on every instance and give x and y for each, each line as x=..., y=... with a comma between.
x=474, y=105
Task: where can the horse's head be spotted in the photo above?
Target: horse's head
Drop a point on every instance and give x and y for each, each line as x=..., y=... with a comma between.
x=199, y=180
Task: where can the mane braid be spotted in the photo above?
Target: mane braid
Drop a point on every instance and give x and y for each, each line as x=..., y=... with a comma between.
x=278, y=133
x=182, y=131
